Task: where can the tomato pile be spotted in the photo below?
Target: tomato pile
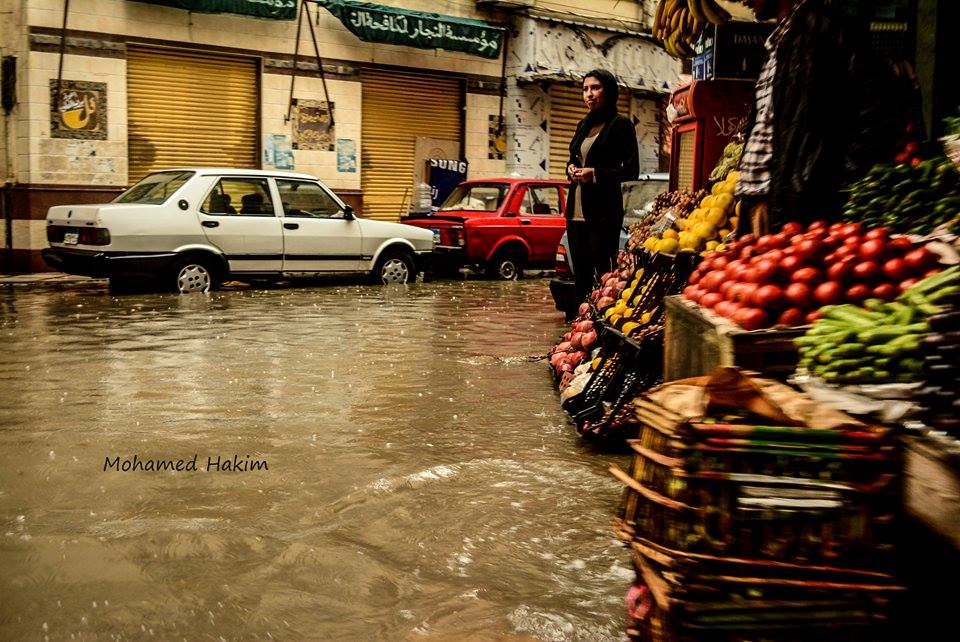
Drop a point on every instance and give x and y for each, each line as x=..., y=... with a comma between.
x=784, y=278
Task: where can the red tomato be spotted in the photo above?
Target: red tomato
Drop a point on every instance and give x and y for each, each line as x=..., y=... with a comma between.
x=723, y=308
x=851, y=229
x=720, y=262
x=844, y=251
x=767, y=271
x=808, y=275
x=896, y=269
x=866, y=270
x=769, y=297
x=817, y=225
x=814, y=316
x=792, y=228
x=873, y=250
x=920, y=260
x=746, y=239
x=764, y=243
x=791, y=317
x=904, y=285
x=725, y=288
x=901, y=244
x=690, y=292
x=835, y=227
x=747, y=251
x=932, y=272
x=752, y=318
x=840, y=271
x=858, y=293
x=743, y=292
x=781, y=240
x=808, y=249
x=828, y=293
x=775, y=255
x=751, y=275
x=710, y=299
x=879, y=233
x=789, y=264
x=694, y=278
x=852, y=241
x=885, y=291
x=800, y=295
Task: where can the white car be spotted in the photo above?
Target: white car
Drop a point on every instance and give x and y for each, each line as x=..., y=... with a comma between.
x=194, y=228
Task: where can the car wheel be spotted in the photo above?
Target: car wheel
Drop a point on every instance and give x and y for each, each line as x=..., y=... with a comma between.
x=506, y=265
x=394, y=266
x=193, y=274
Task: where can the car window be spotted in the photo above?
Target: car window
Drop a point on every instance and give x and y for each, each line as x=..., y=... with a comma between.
x=239, y=197
x=526, y=203
x=306, y=199
x=154, y=189
x=545, y=200
x=478, y=197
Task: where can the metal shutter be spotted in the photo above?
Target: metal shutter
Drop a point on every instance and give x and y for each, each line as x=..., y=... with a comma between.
x=190, y=109
x=566, y=110
x=397, y=109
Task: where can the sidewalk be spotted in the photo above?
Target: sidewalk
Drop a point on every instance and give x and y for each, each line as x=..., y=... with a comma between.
x=43, y=278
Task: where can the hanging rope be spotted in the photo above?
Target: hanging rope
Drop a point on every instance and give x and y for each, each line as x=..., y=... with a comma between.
x=296, y=54
x=63, y=48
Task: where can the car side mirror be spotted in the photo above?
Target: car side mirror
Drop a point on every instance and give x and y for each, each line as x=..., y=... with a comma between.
x=348, y=213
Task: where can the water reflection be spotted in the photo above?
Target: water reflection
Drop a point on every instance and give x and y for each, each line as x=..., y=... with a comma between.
x=422, y=481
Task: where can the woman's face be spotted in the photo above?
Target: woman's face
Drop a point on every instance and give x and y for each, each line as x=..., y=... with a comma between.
x=592, y=93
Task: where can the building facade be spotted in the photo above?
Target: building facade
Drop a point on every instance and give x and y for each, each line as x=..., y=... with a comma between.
x=136, y=86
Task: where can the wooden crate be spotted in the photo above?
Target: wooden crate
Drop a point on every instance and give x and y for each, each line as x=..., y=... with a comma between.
x=697, y=341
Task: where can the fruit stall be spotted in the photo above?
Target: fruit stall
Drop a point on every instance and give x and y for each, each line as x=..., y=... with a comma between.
x=775, y=514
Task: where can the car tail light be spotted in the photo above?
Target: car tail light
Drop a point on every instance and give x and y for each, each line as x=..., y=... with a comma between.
x=94, y=236
x=563, y=266
x=456, y=236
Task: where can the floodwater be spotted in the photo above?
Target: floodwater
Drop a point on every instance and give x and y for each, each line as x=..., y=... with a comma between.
x=420, y=481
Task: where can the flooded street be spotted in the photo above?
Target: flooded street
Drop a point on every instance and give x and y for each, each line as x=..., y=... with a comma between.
x=404, y=471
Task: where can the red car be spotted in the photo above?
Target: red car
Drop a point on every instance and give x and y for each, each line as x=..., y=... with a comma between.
x=499, y=225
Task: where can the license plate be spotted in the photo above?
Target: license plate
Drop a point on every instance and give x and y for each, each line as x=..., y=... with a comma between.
x=436, y=236
x=71, y=238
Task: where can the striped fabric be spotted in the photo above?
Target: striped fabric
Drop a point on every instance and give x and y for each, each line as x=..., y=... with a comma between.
x=758, y=152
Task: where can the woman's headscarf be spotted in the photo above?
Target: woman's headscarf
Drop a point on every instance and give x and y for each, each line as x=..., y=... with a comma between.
x=611, y=91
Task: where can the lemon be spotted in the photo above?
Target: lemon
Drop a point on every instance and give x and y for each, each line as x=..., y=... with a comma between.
x=629, y=327
x=684, y=223
x=727, y=188
x=722, y=248
x=628, y=313
x=723, y=234
x=595, y=363
x=724, y=201
x=705, y=231
x=688, y=241
x=615, y=319
x=668, y=246
x=717, y=188
x=716, y=217
x=712, y=245
x=733, y=221
x=627, y=294
x=733, y=177
x=670, y=234
x=651, y=243
x=707, y=202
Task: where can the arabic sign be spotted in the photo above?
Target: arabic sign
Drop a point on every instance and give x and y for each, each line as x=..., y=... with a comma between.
x=378, y=23
x=273, y=9
x=80, y=111
x=311, y=125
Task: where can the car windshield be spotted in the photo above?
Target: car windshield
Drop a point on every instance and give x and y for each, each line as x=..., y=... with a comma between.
x=476, y=197
x=154, y=189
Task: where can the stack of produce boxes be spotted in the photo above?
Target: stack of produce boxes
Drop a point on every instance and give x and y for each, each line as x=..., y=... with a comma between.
x=750, y=520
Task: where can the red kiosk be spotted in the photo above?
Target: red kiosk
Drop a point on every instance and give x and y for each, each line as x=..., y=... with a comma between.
x=709, y=115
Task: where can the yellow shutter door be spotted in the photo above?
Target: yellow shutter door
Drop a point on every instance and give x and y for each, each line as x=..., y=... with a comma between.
x=190, y=109
x=397, y=109
x=566, y=110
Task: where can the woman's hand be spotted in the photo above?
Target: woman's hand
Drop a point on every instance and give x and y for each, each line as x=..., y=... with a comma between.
x=571, y=171
x=586, y=175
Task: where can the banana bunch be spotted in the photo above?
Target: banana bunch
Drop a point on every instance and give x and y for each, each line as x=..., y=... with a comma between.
x=679, y=23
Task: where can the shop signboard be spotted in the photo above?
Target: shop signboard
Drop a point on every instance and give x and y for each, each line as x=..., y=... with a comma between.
x=443, y=175
x=734, y=50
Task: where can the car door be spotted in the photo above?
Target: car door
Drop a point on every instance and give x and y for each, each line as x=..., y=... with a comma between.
x=542, y=221
x=318, y=235
x=238, y=217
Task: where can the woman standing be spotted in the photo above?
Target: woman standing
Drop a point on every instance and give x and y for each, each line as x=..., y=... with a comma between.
x=603, y=154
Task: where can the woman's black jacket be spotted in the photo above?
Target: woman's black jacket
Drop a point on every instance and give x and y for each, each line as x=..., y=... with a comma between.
x=614, y=158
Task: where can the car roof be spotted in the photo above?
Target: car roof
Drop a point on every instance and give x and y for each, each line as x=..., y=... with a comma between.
x=236, y=171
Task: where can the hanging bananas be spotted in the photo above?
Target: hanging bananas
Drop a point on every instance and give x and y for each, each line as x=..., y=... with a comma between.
x=680, y=23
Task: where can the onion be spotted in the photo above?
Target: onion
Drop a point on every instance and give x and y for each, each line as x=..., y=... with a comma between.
x=575, y=340
x=584, y=309
x=587, y=339
x=604, y=301
x=563, y=347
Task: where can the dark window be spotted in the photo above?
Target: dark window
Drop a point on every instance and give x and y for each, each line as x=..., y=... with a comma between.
x=306, y=199
x=239, y=197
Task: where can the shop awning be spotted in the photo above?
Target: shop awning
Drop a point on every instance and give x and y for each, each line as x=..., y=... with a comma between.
x=272, y=9
x=379, y=23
